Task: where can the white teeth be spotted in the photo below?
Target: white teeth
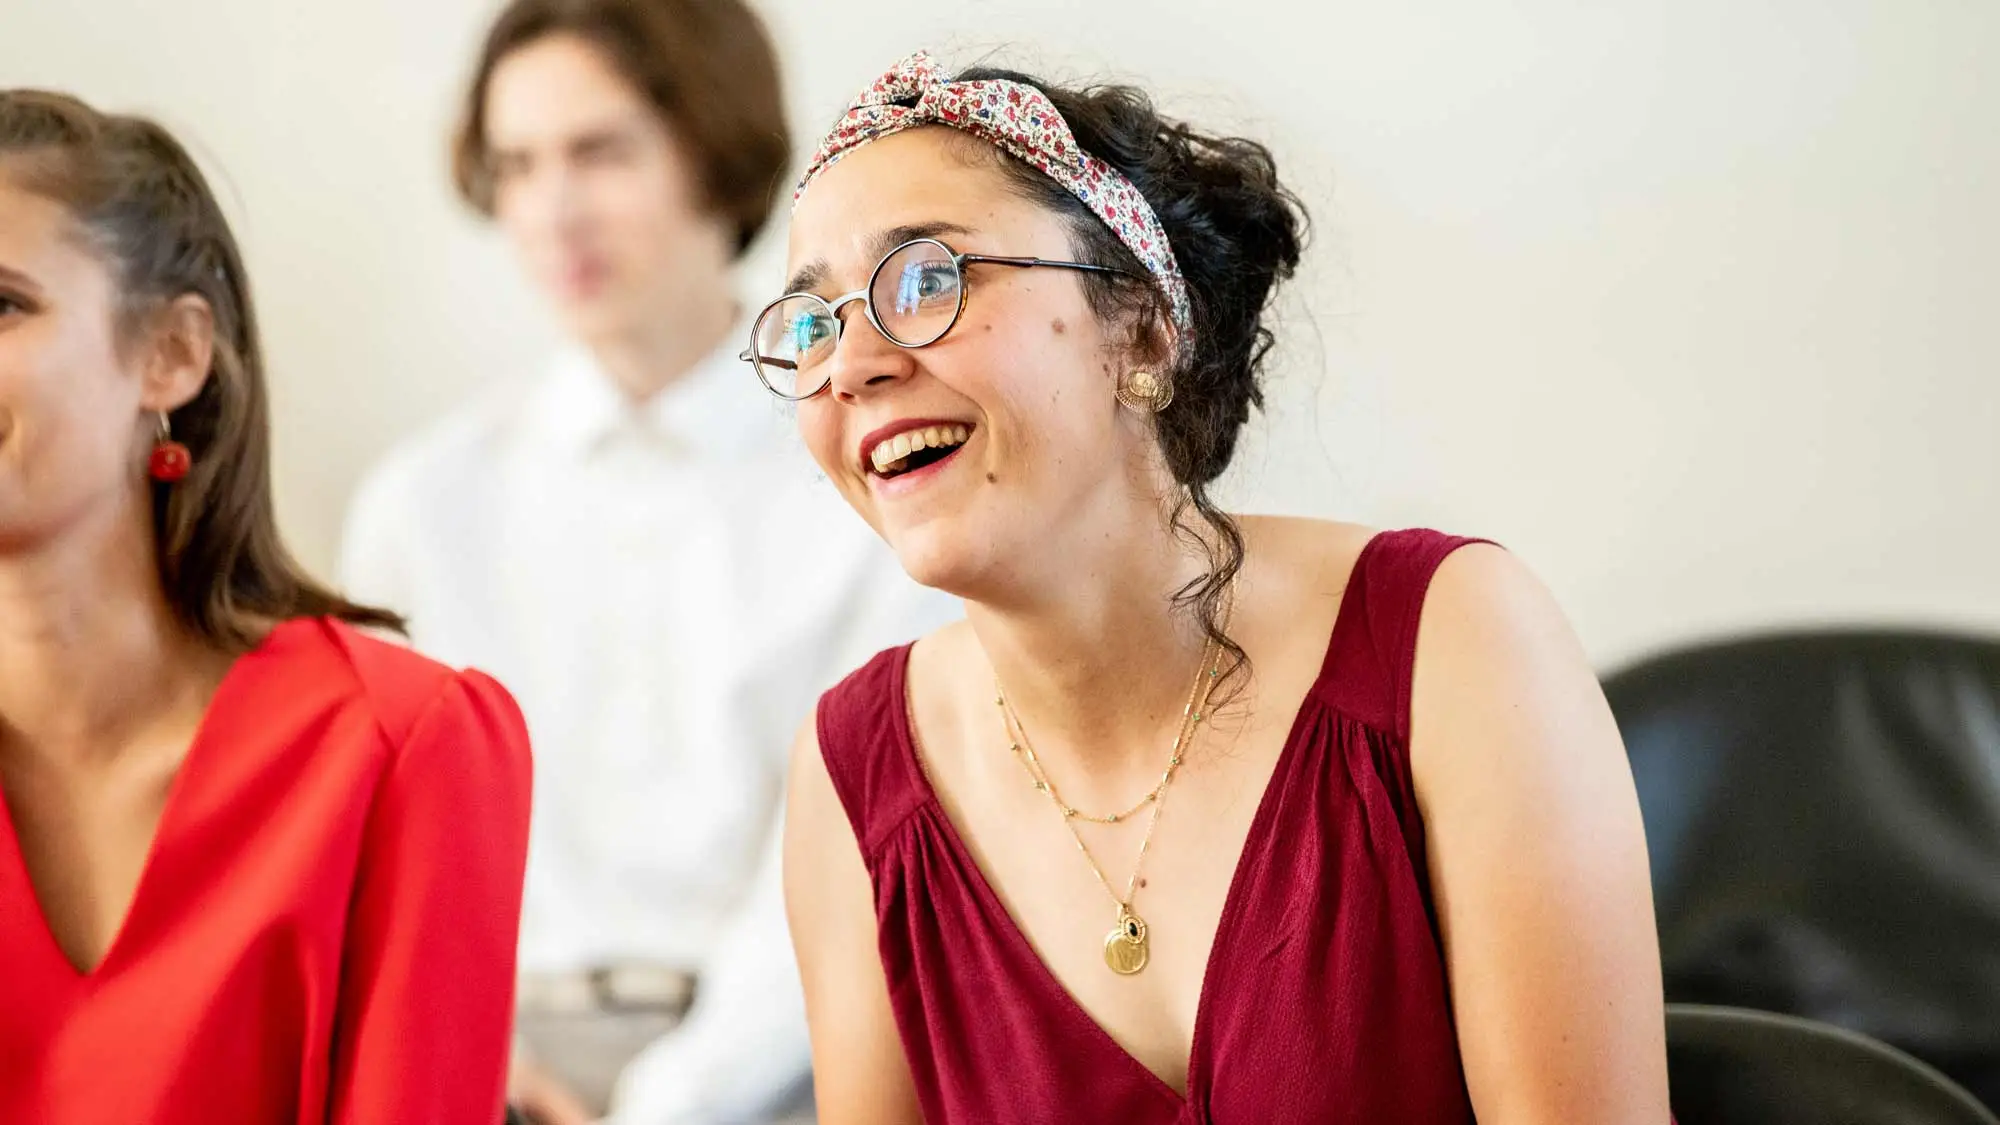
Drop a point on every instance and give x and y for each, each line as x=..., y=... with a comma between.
x=887, y=456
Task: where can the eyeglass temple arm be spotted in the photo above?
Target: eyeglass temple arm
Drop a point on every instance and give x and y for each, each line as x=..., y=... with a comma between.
x=1000, y=261
x=769, y=361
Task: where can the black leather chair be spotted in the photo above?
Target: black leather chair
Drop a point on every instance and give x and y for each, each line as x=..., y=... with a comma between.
x=1730, y=1066
x=1823, y=814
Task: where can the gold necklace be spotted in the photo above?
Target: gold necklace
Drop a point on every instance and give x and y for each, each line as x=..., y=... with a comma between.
x=1025, y=750
x=1127, y=947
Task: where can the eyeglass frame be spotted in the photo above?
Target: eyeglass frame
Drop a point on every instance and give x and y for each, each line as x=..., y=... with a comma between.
x=958, y=263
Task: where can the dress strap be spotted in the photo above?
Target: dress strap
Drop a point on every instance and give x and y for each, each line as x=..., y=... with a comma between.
x=1372, y=658
x=864, y=737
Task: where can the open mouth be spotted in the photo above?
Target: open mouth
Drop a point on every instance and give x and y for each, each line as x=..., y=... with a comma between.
x=916, y=449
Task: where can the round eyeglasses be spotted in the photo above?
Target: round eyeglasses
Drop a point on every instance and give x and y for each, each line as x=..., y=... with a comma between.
x=913, y=298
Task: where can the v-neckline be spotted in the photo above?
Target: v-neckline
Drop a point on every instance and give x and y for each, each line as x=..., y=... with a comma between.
x=11, y=854
x=1016, y=937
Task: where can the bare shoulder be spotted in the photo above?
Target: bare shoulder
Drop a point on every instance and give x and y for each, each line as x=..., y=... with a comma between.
x=817, y=834
x=812, y=806
x=1295, y=573
x=1500, y=673
x=1304, y=529
x=1310, y=556
x=1486, y=605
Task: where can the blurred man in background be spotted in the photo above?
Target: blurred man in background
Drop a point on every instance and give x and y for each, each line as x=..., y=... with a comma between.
x=634, y=545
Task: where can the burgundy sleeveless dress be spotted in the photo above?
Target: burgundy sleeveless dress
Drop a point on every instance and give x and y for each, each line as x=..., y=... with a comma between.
x=1325, y=997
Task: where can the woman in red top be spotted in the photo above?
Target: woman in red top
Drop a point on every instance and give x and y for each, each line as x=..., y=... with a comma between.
x=255, y=867
x=1198, y=819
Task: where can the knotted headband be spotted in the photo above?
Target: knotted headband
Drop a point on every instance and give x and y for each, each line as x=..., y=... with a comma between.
x=1020, y=120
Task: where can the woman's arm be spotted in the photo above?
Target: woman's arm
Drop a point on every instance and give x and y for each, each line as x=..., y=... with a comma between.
x=1537, y=857
x=427, y=979
x=860, y=1075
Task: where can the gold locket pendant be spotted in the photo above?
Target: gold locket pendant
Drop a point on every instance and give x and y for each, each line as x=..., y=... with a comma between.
x=1125, y=948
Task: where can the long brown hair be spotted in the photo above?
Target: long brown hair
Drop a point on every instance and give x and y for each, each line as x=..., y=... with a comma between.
x=146, y=210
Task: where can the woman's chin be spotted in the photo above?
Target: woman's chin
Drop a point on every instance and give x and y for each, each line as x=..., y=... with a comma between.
x=939, y=561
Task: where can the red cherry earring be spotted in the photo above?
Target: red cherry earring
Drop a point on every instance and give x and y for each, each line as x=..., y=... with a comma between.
x=171, y=460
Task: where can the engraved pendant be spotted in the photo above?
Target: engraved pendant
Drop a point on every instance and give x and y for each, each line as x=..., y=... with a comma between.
x=1125, y=948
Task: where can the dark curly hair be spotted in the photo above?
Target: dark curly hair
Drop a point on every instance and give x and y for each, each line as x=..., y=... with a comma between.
x=1237, y=232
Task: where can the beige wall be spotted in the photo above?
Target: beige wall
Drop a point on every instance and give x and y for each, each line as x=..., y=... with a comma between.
x=1693, y=304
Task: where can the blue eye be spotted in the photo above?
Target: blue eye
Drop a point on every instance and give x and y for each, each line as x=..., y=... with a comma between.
x=926, y=284
x=809, y=330
x=936, y=280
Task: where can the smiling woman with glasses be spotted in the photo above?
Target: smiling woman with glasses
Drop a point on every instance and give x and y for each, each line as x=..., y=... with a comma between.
x=913, y=298
x=1198, y=818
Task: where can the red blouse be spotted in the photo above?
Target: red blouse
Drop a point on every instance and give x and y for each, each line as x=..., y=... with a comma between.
x=324, y=929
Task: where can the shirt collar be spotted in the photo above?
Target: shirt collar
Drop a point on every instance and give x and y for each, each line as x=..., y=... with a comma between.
x=716, y=409
x=578, y=405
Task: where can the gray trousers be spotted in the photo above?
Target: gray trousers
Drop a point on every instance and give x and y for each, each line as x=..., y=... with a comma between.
x=589, y=1050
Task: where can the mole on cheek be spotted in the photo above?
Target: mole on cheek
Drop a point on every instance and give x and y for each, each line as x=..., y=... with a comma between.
x=1059, y=326
x=991, y=479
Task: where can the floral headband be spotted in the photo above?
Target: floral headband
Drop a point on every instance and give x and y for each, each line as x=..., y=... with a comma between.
x=1020, y=120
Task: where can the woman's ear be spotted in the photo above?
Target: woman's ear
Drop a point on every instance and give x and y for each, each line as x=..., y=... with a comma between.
x=180, y=352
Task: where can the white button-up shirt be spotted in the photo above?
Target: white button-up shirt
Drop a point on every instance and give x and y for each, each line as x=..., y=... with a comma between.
x=666, y=588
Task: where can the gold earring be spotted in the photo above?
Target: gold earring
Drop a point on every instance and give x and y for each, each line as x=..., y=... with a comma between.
x=1144, y=392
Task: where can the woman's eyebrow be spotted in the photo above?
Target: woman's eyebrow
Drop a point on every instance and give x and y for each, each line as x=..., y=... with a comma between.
x=815, y=272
